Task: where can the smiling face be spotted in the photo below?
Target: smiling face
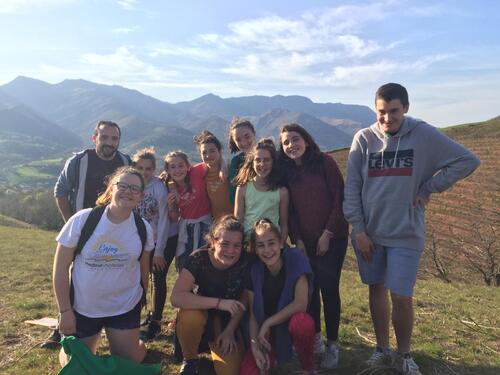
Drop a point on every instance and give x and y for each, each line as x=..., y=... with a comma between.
x=210, y=155
x=390, y=115
x=145, y=166
x=106, y=141
x=294, y=145
x=262, y=163
x=177, y=169
x=244, y=138
x=127, y=191
x=227, y=248
x=268, y=248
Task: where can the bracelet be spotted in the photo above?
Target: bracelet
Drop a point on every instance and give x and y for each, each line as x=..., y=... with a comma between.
x=217, y=304
x=253, y=341
x=66, y=310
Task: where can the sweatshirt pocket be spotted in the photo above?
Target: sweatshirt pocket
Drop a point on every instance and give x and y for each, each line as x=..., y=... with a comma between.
x=394, y=219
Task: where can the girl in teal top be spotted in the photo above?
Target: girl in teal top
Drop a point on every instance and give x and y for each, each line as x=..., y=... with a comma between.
x=258, y=194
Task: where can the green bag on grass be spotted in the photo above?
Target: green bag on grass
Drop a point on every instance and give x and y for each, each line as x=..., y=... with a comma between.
x=83, y=362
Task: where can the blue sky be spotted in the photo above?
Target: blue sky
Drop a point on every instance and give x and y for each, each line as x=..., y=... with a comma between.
x=447, y=53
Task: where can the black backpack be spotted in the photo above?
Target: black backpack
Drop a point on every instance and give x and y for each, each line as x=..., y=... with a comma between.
x=87, y=230
x=92, y=221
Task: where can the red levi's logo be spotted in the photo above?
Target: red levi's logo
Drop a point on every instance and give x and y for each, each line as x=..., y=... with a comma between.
x=392, y=164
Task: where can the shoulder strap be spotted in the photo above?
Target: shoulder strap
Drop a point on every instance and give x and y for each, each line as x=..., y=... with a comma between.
x=88, y=228
x=141, y=229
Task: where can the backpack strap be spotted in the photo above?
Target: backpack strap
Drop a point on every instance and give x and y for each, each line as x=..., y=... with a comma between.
x=141, y=229
x=88, y=228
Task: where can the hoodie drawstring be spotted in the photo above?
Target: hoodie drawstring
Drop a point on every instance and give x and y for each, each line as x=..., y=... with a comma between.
x=385, y=146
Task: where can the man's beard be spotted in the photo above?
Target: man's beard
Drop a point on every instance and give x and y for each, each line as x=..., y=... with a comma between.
x=106, y=151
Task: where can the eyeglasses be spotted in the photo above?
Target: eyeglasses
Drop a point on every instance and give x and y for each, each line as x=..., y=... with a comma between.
x=134, y=189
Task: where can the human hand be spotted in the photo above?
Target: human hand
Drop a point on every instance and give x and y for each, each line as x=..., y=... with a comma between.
x=159, y=263
x=323, y=244
x=172, y=201
x=420, y=201
x=263, y=336
x=230, y=305
x=67, y=323
x=261, y=357
x=365, y=246
x=226, y=342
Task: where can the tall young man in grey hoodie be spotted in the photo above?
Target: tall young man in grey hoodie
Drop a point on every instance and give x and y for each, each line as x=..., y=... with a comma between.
x=393, y=168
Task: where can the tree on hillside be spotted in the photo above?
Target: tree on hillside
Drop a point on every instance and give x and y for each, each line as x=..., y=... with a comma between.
x=483, y=251
x=441, y=267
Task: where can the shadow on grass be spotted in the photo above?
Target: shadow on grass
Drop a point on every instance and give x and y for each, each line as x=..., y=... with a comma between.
x=352, y=357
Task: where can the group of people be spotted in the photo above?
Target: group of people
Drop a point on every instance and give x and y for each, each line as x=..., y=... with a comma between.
x=258, y=244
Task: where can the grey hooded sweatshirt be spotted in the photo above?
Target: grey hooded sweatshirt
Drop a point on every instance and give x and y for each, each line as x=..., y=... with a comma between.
x=386, y=173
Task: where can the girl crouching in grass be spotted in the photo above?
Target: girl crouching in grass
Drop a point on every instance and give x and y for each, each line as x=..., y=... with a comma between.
x=215, y=309
x=279, y=291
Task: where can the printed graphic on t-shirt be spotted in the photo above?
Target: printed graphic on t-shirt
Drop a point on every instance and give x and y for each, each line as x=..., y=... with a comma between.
x=213, y=185
x=148, y=208
x=390, y=163
x=106, y=254
x=187, y=198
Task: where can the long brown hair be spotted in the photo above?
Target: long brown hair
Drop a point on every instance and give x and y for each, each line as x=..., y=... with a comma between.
x=105, y=198
x=247, y=172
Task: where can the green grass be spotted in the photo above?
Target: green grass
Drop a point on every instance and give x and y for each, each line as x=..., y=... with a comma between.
x=457, y=328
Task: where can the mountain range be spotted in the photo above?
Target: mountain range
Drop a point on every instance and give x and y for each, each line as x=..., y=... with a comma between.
x=41, y=120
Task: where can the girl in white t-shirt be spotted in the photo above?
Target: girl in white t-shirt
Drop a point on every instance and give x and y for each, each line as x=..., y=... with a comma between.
x=107, y=273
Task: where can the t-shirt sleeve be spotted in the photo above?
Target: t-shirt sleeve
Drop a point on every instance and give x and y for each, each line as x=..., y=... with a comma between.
x=150, y=240
x=197, y=172
x=193, y=265
x=70, y=233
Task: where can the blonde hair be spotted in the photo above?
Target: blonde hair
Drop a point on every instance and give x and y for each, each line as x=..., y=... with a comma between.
x=105, y=198
x=148, y=153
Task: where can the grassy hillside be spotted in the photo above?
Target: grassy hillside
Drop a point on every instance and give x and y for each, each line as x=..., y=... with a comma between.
x=456, y=325
x=463, y=222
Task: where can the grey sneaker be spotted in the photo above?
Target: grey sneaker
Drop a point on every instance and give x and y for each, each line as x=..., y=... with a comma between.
x=330, y=357
x=405, y=364
x=319, y=344
x=380, y=357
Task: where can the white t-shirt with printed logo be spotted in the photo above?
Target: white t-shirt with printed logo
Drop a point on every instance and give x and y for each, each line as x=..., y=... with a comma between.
x=107, y=273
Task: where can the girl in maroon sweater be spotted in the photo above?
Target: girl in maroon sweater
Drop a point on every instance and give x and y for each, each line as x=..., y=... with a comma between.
x=317, y=224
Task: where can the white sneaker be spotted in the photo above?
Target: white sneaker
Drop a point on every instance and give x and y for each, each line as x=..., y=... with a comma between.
x=319, y=344
x=380, y=357
x=405, y=364
x=330, y=357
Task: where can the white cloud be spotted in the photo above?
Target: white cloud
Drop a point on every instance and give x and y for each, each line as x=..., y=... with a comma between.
x=125, y=30
x=14, y=6
x=127, y=4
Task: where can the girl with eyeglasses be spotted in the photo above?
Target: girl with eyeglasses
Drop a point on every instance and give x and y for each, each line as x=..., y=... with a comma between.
x=109, y=273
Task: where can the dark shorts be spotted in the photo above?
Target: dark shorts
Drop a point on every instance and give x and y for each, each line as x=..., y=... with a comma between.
x=86, y=327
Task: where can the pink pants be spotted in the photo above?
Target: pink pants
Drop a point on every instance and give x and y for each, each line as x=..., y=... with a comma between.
x=301, y=328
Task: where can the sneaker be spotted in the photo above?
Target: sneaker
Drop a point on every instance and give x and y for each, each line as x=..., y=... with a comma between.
x=380, y=357
x=405, y=364
x=319, y=344
x=53, y=341
x=150, y=331
x=189, y=367
x=330, y=358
